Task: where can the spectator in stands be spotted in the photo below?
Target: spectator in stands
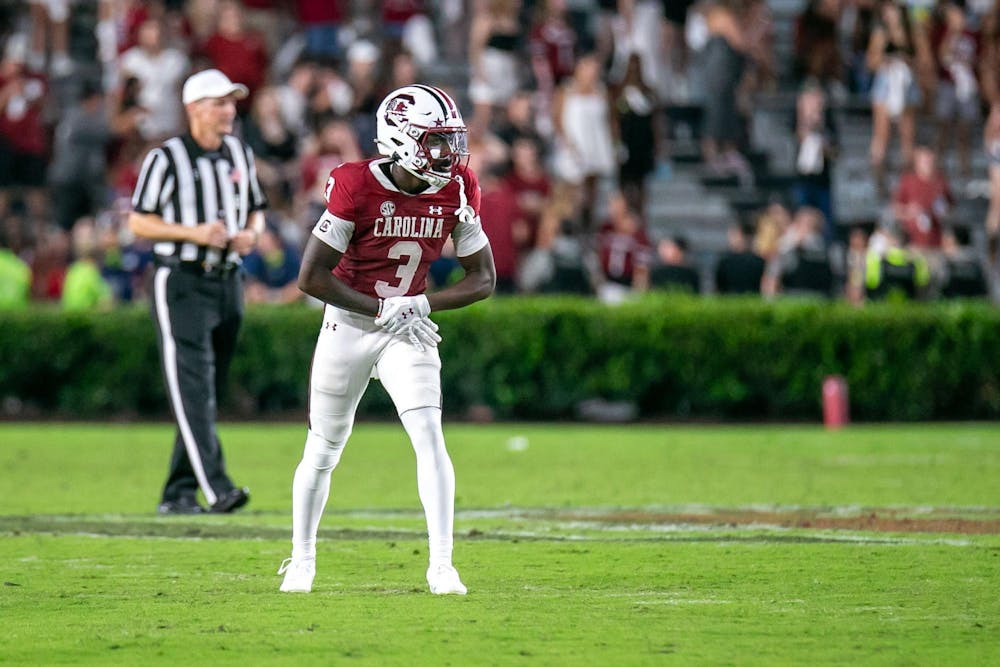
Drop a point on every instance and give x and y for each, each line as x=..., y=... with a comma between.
x=991, y=139
x=635, y=105
x=586, y=144
x=50, y=34
x=529, y=187
x=85, y=289
x=404, y=71
x=672, y=271
x=856, y=262
x=15, y=278
x=128, y=145
x=963, y=271
x=817, y=44
x=989, y=64
x=269, y=19
x=334, y=145
x=495, y=58
x=24, y=140
x=956, y=107
x=922, y=200
x=636, y=30
x=817, y=146
x=419, y=40
x=771, y=225
x=894, y=272
x=294, y=97
x=272, y=270
x=331, y=94
x=501, y=218
x=321, y=20
x=802, y=265
x=519, y=120
x=78, y=173
x=623, y=251
x=561, y=261
x=159, y=70
x=238, y=52
x=552, y=45
x=675, y=13
x=48, y=266
x=394, y=16
x=18, y=236
x=892, y=55
x=126, y=259
x=363, y=76
x=739, y=270
x=863, y=15
x=723, y=123
x=756, y=18
x=274, y=145
x=406, y=27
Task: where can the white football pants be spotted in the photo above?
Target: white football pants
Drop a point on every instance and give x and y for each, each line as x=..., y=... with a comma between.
x=350, y=350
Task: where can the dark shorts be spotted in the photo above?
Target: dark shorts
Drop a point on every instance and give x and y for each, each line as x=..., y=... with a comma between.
x=21, y=169
x=676, y=11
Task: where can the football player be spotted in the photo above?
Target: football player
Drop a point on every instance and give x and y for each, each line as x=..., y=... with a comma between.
x=386, y=220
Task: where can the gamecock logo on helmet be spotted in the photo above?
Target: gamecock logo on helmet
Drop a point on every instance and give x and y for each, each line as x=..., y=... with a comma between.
x=397, y=108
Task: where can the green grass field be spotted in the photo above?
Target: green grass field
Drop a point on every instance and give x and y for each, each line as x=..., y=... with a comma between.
x=580, y=545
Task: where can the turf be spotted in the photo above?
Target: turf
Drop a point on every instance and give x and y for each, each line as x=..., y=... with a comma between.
x=561, y=538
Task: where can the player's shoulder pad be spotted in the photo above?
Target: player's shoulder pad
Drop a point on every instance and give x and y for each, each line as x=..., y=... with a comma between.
x=351, y=172
x=469, y=177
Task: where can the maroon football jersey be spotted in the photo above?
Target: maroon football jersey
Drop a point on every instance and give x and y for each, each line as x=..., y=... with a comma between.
x=389, y=238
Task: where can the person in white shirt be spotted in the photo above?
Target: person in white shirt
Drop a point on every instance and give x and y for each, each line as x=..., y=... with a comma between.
x=160, y=71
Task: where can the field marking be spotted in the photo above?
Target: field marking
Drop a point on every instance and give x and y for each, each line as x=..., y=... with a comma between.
x=529, y=524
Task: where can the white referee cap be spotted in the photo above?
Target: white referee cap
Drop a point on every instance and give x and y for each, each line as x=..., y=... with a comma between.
x=211, y=83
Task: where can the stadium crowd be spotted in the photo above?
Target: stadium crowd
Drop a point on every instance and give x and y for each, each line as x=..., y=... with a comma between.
x=568, y=106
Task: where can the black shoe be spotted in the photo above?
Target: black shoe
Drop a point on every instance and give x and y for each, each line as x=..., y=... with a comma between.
x=231, y=501
x=185, y=505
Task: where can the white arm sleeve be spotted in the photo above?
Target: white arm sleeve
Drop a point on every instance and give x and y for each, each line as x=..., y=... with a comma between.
x=469, y=237
x=333, y=231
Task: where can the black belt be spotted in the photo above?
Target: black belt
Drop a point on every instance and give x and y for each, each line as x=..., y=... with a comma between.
x=223, y=270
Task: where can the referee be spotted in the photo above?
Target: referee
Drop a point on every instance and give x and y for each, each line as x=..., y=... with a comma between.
x=199, y=199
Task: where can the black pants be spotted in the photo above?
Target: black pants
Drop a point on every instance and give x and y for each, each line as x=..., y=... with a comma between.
x=197, y=319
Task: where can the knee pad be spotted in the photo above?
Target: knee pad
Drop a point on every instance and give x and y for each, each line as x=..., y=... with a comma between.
x=423, y=425
x=330, y=427
x=320, y=453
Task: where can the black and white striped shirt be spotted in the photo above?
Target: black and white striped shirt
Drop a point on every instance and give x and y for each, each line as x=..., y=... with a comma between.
x=186, y=185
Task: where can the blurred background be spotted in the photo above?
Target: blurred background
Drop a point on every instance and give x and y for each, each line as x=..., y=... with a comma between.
x=842, y=150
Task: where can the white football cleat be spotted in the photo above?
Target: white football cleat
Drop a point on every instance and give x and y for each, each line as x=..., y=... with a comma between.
x=299, y=575
x=443, y=580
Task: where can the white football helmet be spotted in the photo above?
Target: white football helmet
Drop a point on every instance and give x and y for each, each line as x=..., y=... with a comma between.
x=421, y=128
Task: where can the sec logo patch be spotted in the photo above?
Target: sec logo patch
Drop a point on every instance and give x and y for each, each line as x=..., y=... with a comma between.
x=387, y=208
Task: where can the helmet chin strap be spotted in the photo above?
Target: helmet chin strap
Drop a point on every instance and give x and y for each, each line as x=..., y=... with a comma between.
x=428, y=177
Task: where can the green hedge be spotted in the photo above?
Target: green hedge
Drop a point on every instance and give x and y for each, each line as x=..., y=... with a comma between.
x=537, y=358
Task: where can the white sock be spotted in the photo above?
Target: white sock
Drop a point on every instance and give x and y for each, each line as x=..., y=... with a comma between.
x=435, y=479
x=310, y=490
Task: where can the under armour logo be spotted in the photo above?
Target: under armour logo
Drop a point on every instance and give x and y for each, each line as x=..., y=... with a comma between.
x=435, y=210
x=332, y=326
x=408, y=313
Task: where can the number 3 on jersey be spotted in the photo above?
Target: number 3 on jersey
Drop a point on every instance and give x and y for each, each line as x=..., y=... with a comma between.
x=405, y=272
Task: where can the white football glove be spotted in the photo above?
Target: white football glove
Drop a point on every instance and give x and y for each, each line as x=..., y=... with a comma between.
x=397, y=311
x=421, y=332
x=466, y=214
